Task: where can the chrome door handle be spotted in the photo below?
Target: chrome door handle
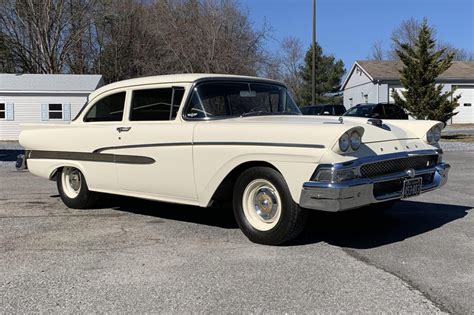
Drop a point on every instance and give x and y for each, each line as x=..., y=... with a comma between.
x=123, y=129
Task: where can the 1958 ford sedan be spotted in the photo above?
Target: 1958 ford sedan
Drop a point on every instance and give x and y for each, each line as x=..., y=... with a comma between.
x=194, y=139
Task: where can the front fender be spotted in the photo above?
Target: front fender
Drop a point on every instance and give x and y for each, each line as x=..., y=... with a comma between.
x=296, y=167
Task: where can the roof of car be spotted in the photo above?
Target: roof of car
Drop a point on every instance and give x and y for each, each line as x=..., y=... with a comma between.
x=372, y=104
x=175, y=78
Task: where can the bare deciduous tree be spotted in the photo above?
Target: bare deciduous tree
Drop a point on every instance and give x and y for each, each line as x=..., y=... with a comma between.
x=41, y=34
x=129, y=38
x=286, y=65
x=377, y=52
x=292, y=59
x=407, y=33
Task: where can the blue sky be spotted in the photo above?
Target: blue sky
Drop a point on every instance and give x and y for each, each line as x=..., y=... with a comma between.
x=348, y=28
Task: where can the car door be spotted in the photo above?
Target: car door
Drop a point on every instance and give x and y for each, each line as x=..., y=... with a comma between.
x=160, y=144
x=97, y=129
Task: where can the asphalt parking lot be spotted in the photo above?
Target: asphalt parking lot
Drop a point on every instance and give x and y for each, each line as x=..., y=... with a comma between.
x=139, y=256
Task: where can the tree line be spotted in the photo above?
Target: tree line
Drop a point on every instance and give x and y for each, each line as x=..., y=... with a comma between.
x=123, y=39
x=407, y=33
x=128, y=38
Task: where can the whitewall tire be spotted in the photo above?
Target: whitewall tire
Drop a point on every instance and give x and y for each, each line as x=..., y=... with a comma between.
x=73, y=190
x=264, y=208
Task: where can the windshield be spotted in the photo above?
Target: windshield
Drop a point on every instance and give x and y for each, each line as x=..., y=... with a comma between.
x=361, y=111
x=221, y=100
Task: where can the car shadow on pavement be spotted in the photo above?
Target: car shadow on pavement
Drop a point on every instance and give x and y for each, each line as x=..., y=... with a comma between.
x=360, y=228
x=219, y=216
x=368, y=228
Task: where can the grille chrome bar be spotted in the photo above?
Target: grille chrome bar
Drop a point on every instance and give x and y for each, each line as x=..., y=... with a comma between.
x=385, y=167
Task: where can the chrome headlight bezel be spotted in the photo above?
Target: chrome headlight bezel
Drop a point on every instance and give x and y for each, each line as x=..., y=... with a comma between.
x=344, y=145
x=433, y=135
x=355, y=140
x=429, y=136
x=344, y=142
x=436, y=134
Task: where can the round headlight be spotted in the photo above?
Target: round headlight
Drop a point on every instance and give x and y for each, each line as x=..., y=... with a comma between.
x=429, y=136
x=355, y=140
x=436, y=134
x=344, y=142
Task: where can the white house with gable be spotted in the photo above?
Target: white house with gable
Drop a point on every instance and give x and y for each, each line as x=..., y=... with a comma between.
x=41, y=98
x=374, y=82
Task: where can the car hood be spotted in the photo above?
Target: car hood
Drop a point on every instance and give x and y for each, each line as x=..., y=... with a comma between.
x=307, y=129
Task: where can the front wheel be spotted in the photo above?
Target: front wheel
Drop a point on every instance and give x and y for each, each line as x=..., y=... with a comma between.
x=264, y=208
x=73, y=190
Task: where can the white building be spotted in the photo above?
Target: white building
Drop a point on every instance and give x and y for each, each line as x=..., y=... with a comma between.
x=374, y=82
x=41, y=98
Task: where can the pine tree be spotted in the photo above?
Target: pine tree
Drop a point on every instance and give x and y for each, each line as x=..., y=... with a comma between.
x=423, y=98
x=329, y=72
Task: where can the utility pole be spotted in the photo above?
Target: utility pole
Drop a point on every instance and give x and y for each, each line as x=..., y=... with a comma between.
x=313, y=75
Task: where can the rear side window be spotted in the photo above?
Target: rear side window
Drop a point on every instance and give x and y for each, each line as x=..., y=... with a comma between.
x=156, y=104
x=109, y=108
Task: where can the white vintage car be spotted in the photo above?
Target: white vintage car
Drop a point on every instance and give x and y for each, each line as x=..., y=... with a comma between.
x=196, y=138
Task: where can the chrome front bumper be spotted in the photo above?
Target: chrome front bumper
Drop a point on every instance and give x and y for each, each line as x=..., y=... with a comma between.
x=340, y=196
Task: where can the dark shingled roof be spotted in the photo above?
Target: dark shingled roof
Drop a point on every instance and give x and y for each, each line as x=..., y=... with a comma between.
x=389, y=70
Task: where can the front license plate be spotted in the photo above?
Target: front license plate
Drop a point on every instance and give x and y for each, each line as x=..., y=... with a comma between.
x=411, y=187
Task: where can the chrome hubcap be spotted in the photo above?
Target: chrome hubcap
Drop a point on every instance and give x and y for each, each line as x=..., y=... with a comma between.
x=75, y=180
x=266, y=203
x=71, y=182
x=261, y=204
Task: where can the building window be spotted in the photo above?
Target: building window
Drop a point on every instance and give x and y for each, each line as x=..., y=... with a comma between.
x=55, y=111
x=7, y=111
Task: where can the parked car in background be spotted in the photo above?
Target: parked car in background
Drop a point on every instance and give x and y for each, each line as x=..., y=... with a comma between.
x=198, y=138
x=380, y=110
x=329, y=110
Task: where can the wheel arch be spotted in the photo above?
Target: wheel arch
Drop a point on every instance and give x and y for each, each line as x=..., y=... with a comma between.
x=58, y=168
x=224, y=190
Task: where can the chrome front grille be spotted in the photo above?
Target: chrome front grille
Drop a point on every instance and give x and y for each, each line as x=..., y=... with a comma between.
x=381, y=168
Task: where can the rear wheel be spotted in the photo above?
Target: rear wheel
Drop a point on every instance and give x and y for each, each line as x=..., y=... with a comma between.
x=264, y=208
x=73, y=190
